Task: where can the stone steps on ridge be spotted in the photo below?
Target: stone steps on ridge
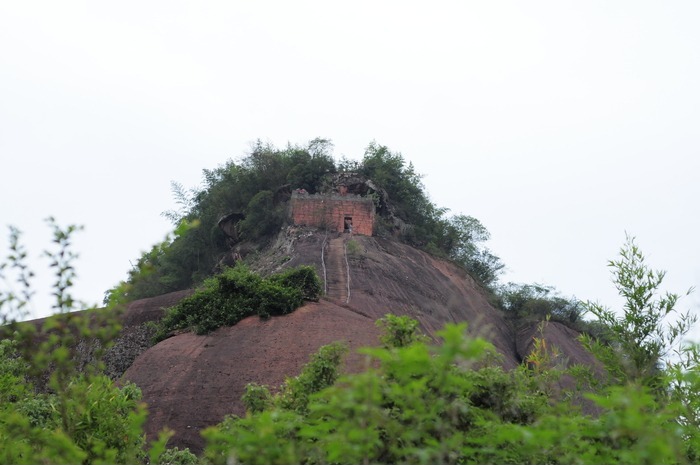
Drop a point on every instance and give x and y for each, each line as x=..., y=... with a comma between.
x=336, y=270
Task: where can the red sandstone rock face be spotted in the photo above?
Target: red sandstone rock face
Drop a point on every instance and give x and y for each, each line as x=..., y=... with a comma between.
x=331, y=211
x=190, y=382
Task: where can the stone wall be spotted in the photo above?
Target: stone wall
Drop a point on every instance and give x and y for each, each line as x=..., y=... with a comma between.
x=330, y=211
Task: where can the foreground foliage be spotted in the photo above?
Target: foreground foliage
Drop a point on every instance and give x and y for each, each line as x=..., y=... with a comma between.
x=444, y=404
x=56, y=405
x=642, y=335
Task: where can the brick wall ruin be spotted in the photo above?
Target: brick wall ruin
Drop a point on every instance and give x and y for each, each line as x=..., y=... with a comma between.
x=334, y=212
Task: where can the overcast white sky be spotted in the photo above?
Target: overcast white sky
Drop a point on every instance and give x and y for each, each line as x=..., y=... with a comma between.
x=560, y=125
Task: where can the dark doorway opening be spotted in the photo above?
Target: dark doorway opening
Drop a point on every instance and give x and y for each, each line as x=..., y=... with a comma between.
x=348, y=224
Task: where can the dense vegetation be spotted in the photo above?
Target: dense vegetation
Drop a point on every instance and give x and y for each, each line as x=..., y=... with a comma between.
x=237, y=293
x=51, y=409
x=254, y=187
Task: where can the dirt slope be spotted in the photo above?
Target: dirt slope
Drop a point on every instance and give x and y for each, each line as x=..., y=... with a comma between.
x=190, y=381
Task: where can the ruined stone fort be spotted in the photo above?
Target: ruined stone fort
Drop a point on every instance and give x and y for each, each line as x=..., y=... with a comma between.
x=339, y=211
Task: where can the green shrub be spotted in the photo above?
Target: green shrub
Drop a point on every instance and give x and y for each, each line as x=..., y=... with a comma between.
x=263, y=439
x=320, y=373
x=647, y=330
x=105, y=421
x=175, y=456
x=513, y=396
x=39, y=410
x=303, y=278
x=270, y=431
x=86, y=418
x=256, y=398
x=353, y=249
x=399, y=331
x=12, y=372
x=227, y=298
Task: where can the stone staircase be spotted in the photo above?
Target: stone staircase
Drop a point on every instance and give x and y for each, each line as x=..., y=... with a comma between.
x=337, y=278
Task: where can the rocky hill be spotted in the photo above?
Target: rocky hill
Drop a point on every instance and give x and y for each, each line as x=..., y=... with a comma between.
x=190, y=382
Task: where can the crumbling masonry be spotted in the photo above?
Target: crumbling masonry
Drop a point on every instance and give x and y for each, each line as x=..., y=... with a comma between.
x=340, y=212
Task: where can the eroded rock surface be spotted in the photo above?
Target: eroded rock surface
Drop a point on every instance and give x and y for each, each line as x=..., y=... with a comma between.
x=191, y=382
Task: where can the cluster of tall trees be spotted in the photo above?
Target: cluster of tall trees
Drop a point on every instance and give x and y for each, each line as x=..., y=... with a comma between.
x=247, y=186
x=251, y=185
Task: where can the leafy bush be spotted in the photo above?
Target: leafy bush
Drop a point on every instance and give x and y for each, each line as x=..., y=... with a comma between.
x=256, y=398
x=320, y=373
x=12, y=372
x=399, y=331
x=513, y=396
x=39, y=410
x=641, y=337
x=353, y=249
x=271, y=418
x=105, y=421
x=237, y=293
x=175, y=456
x=85, y=418
x=303, y=278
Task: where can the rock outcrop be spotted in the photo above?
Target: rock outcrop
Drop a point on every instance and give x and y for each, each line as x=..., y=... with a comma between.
x=191, y=382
